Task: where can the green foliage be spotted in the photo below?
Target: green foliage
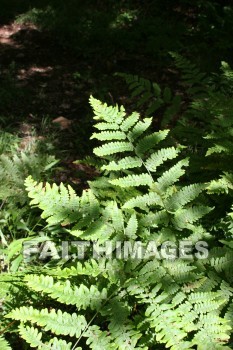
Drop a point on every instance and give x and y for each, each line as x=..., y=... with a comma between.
x=14, y=169
x=4, y=344
x=194, y=80
x=16, y=164
x=151, y=95
x=150, y=188
x=56, y=321
x=203, y=120
x=17, y=221
x=40, y=17
x=33, y=337
x=205, y=128
x=142, y=196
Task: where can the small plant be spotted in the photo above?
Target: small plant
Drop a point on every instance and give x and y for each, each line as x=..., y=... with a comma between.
x=143, y=195
x=151, y=95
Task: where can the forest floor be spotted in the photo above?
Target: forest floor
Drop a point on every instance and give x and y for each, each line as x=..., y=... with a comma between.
x=47, y=79
x=43, y=71
x=45, y=88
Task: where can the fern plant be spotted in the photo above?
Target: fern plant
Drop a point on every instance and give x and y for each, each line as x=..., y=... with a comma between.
x=203, y=106
x=150, y=96
x=144, y=198
x=17, y=221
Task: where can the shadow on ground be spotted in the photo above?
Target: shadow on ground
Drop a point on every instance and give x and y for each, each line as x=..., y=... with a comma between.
x=41, y=77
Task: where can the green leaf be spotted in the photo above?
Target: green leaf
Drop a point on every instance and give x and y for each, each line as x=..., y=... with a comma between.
x=171, y=176
x=184, y=217
x=112, y=148
x=109, y=135
x=123, y=164
x=133, y=181
x=4, y=345
x=158, y=158
x=148, y=142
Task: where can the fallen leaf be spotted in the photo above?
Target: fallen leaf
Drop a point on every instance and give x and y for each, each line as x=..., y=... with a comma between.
x=63, y=122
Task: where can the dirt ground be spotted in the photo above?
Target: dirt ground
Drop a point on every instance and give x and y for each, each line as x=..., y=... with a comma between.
x=43, y=71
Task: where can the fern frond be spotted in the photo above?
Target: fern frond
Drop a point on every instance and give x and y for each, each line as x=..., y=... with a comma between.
x=222, y=185
x=123, y=164
x=158, y=158
x=229, y=314
x=88, y=268
x=81, y=296
x=148, y=142
x=104, y=341
x=224, y=146
x=171, y=176
x=113, y=148
x=59, y=344
x=130, y=121
x=107, y=113
x=114, y=213
x=32, y=336
x=96, y=230
x=132, y=226
x=109, y=135
x=163, y=300
x=222, y=263
x=59, y=204
x=184, y=217
x=4, y=345
x=133, y=181
x=139, y=129
x=209, y=340
x=191, y=75
x=58, y=322
x=144, y=201
x=107, y=126
x=155, y=219
x=183, y=196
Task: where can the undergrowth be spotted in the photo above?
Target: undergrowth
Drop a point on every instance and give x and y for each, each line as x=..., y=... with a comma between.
x=145, y=196
x=161, y=202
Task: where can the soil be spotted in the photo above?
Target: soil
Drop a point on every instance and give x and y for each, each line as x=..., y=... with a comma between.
x=43, y=71
x=41, y=80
